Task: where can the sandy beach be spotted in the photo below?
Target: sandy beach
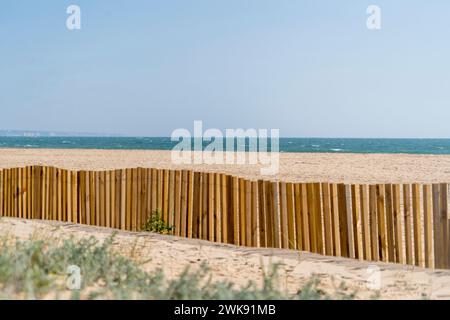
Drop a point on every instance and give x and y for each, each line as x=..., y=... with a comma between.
x=295, y=167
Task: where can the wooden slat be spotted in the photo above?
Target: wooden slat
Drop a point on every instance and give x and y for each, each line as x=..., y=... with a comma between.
x=298, y=216
x=218, y=207
x=290, y=201
x=328, y=219
x=270, y=228
x=81, y=196
x=184, y=199
x=166, y=196
x=336, y=235
x=343, y=223
x=311, y=217
x=417, y=221
x=390, y=223
x=211, y=200
x=63, y=195
x=284, y=216
x=94, y=207
x=276, y=214
x=154, y=188
x=428, y=225
x=129, y=184
x=112, y=192
x=443, y=206
x=407, y=211
x=242, y=213
x=134, y=200
x=374, y=223
x=190, y=204
x=350, y=230
x=365, y=216
x=255, y=215
x=305, y=218
x=75, y=208
x=204, y=203
x=382, y=227
x=171, y=207
x=196, y=214
x=236, y=215
x=225, y=192
x=160, y=196
x=2, y=212
x=99, y=198
x=398, y=219
x=177, y=215
x=60, y=192
x=357, y=222
x=123, y=199
x=107, y=188
x=20, y=193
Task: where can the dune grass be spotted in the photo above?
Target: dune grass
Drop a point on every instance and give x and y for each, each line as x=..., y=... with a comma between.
x=38, y=269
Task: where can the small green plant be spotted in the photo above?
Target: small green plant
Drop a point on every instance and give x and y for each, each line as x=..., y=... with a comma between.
x=156, y=224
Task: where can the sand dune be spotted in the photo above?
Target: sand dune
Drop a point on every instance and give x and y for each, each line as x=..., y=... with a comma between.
x=241, y=264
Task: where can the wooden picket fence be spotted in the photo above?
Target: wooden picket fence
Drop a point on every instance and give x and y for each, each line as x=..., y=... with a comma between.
x=405, y=223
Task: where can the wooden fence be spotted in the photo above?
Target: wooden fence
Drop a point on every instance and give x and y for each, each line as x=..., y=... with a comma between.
x=405, y=224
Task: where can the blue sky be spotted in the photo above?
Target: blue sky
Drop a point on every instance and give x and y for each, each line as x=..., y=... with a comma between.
x=309, y=68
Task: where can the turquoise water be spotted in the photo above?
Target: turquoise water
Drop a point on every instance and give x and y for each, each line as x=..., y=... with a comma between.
x=414, y=146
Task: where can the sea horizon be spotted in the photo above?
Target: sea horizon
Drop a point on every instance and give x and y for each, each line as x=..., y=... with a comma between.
x=286, y=144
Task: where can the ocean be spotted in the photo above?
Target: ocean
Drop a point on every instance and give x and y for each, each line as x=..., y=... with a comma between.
x=336, y=145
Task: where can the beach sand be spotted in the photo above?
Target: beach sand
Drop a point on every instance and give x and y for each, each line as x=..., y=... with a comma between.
x=241, y=264
x=295, y=167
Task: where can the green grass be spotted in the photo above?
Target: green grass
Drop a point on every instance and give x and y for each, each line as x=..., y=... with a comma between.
x=35, y=269
x=156, y=224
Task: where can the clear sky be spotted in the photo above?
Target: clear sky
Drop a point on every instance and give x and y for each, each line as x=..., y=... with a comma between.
x=309, y=68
